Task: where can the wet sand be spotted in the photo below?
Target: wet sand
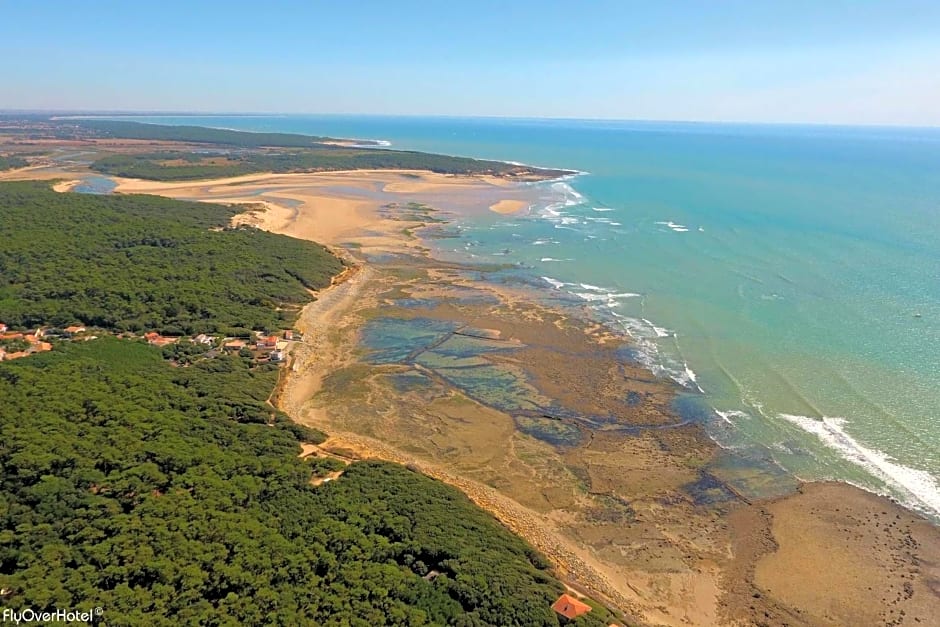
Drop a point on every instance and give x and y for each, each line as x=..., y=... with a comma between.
x=533, y=411
x=509, y=206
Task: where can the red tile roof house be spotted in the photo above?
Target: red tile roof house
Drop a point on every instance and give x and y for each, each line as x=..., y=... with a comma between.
x=569, y=608
x=74, y=329
x=235, y=345
x=3, y=328
x=158, y=340
x=267, y=343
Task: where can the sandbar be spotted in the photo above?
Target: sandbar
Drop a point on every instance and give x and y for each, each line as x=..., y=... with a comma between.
x=507, y=206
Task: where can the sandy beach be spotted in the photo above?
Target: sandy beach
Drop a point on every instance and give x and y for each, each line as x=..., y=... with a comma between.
x=628, y=510
x=329, y=207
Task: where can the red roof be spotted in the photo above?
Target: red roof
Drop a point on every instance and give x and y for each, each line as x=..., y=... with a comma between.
x=570, y=607
x=151, y=336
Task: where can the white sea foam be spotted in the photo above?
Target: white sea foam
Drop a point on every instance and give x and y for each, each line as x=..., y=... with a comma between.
x=601, y=209
x=555, y=283
x=607, y=296
x=689, y=379
x=645, y=335
x=572, y=196
x=383, y=143
x=921, y=488
x=678, y=228
x=732, y=415
x=659, y=331
x=593, y=288
x=553, y=259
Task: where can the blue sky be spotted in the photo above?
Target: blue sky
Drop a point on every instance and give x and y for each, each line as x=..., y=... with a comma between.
x=827, y=61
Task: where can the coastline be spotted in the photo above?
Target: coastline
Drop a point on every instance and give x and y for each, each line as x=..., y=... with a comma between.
x=673, y=565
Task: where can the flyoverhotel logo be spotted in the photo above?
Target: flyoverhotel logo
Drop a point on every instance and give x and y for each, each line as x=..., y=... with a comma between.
x=28, y=615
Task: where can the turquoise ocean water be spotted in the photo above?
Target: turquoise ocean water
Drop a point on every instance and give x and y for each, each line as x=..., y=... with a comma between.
x=792, y=274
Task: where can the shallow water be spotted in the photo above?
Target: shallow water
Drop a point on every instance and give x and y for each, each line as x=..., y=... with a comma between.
x=95, y=185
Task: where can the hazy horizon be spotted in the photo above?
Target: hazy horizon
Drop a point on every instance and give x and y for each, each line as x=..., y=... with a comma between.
x=157, y=113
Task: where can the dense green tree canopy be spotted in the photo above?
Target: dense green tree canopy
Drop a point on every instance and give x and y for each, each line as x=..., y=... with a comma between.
x=126, y=129
x=142, y=262
x=156, y=493
x=179, y=166
x=161, y=486
x=9, y=163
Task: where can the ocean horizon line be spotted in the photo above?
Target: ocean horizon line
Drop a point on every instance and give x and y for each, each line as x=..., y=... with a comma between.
x=66, y=113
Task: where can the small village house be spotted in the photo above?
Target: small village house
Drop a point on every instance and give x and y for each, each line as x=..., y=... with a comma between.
x=268, y=343
x=202, y=338
x=3, y=328
x=74, y=330
x=278, y=355
x=234, y=345
x=569, y=608
x=156, y=339
x=288, y=335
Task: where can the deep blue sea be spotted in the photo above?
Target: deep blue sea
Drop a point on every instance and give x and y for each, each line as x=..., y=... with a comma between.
x=790, y=273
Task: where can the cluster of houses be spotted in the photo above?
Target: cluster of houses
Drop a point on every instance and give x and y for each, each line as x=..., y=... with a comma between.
x=17, y=344
x=264, y=347
x=271, y=346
